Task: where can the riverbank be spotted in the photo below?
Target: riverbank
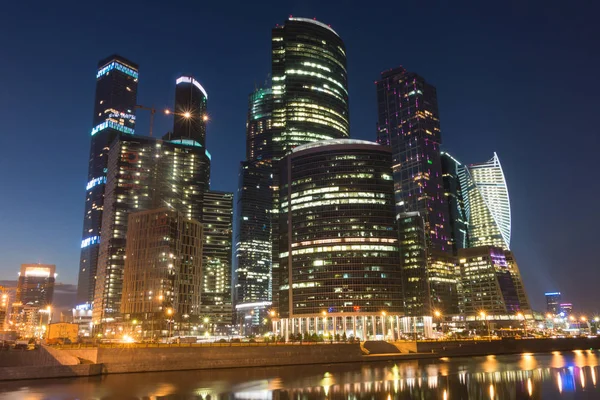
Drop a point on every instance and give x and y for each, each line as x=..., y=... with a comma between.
x=50, y=362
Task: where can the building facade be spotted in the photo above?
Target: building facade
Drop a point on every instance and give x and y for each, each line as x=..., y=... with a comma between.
x=553, y=302
x=488, y=283
x=487, y=205
x=217, y=221
x=459, y=229
x=35, y=286
x=143, y=173
x=338, y=248
x=163, y=269
x=114, y=114
x=189, y=114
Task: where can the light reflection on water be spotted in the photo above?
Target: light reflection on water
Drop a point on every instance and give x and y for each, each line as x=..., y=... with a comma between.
x=523, y=376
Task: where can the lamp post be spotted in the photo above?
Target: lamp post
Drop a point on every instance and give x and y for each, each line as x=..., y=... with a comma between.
x=438, y=315
x=483, y=315
x=170, y=314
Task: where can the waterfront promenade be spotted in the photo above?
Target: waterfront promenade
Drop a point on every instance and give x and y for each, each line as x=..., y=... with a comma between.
x=76, y=360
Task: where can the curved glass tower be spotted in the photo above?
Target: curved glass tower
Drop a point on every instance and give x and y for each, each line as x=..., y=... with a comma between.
x=338, y=242
x=487, y=205
x=310, y=84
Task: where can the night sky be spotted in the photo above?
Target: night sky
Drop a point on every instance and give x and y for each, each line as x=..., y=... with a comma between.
x=521, y=80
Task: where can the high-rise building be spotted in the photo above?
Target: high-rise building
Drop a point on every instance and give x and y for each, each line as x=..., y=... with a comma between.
x=35, y=286
x=566, y=308
x=409, y=123
x=143, y=173
x=310, y=84
x=517, y=281
x=553, y=302
x=216, y=260
x=163, y=269
x=339, y=260
x=259, y=126
x=114, y=113
x=488, y=282
x=459, y=229
x=190, y=111
x=487, y=205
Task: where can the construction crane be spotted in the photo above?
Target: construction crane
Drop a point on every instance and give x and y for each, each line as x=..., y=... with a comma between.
x=152, y=112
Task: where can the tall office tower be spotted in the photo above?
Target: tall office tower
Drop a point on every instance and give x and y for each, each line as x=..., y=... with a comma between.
x=339, y=260
x=459, y=229
x=143, y=174
x=553, y=302
x=409, y=123
x=190, y=111
x=517, y=281
x=163, y=268
x=4, y=302
x=310, y=84
x=252, y=263
x=36, y=284
x=566, y=308
x=487, y=204
x=114, y=113
x=488, y=282
x=216, y=259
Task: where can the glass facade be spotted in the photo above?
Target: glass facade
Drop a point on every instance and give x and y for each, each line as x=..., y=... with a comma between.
x=190, y=111
x=310, y=84
x=114, y=112
x=143, y=173
x=338, y=240
x=459, y=229
x=216, y=259
x=488, y=282
x=162, y=268
x=259, y=125
x=35, y=286
x=553, y=302
x=487, y=205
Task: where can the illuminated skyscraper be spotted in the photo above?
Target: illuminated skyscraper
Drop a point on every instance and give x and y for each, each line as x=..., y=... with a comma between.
x=310, y=84
x=216, y=259
x=338, y=248
x=114, y=113
x=36, y=284
x=553, y=302
x=487, y=205
x=143, y=173
x=163, y=269
x=459, y=231
x=190, y=111
x=409, y=123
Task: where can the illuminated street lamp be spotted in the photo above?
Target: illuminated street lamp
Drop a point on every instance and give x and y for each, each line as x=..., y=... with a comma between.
x=438, y=315
x=170, y=313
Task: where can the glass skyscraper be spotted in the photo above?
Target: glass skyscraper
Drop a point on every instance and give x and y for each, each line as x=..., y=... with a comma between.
x=408, y=121
x=307, y=102
x=338, y=248
x=190, y=111
x=487, y=205
x=114, y=114
x=459, y=229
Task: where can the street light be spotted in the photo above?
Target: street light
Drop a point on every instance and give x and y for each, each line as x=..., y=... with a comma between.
x=483, y=315
x=170, y=313
x=438, y=315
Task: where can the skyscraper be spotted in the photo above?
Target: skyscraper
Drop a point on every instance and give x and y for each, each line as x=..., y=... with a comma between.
x=216, y=259
x=487, y=205
x=36, y=284
x=143, y=173
x=163, y=268
x=114, y=113
x=553, y=302
x=488, y=283
x=190, y=111
x=338, y=252
x=459, y=229
x=310, y=84
x=408, y=121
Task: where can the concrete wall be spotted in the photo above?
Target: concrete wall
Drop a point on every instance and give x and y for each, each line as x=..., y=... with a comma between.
x=115, y=360
x=24, y=358
x=56, y=371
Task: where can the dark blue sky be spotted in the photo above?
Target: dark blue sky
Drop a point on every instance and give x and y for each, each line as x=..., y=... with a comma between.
x=518, y=79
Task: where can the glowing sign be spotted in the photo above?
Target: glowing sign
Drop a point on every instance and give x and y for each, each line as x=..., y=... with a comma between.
x=113, y=125
x=189, y=79
x=38, y=271
x=186, y=142
x=90, y=241
x=119, y=67
x=96, y=181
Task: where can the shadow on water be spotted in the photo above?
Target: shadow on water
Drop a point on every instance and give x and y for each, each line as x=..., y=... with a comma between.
x=568, y=375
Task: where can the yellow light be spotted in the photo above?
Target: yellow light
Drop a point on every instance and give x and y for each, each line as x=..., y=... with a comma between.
x=134, y=322
x=548, y=315
x=482, y=314
x=383, y=313
x=583, y=319
x=160, y=297
x=324, y=313
x=205, y=320
x=520, y=315
x=167, y=111
x=437, y=313
x=205, y=117
x=169, y=311
x=272, y=313
x=187, y=114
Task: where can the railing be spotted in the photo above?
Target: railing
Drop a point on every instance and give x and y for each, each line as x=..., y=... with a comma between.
x=209, y=344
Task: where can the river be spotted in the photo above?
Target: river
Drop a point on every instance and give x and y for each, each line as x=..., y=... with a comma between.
x=566, y=375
